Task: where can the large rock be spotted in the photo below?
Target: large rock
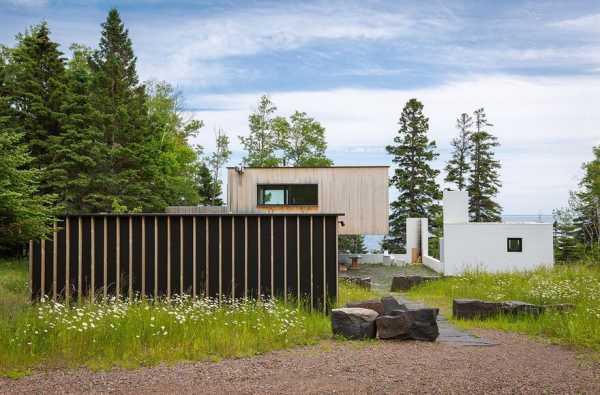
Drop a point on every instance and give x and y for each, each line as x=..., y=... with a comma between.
x=393, y=327
x=390, y=304
x=368, y=304
x=354, y=322
x=468, y=309
x=416, y=324
x=406, y=282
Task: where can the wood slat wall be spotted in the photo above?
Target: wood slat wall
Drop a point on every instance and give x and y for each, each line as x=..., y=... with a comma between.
x=291, y=257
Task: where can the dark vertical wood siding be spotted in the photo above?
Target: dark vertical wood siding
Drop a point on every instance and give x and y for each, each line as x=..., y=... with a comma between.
x=285, y=256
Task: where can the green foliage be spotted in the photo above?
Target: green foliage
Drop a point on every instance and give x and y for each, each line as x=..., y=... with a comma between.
x=214, y=163
x=24, y=213
x=302, y=140
x=353, y=293
x=586, y=204
x=575, y=284
x=262, y=142
x=354, y=244
x=276, y=141
x=566, y=246
x=484, y=179
x=414, y=178
x=457, y=168
x=141, y=333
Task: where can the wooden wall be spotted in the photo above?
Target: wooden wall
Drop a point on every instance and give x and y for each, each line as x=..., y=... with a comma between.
x=161, y=255
x=359, y=193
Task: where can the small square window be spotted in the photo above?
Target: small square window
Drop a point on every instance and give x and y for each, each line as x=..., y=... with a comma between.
x=514, y=244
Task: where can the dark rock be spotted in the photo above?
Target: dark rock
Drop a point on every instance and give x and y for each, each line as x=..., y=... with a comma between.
x=368, y=304
x=354, y=323
x=468, y=309
x=393, y=327
x=390, y=304
x=416, y=324
x=406, y=282
x=517, y=307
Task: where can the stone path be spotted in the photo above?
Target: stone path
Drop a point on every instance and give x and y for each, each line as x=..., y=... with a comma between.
x=450, y=334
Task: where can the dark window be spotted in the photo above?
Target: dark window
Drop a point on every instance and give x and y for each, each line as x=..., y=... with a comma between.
x=289, y=194
x=514, y=244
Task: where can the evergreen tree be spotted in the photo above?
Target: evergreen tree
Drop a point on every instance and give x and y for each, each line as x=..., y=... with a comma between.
x=302, y=140
x=414, y=178
x=263, y=141
x=586, y=203
x=127, y=174
x=457, y=168
x=354, y=244
x=484, y=179
x=35, y=90
x=205, y=183
x=566, y=246
x=79, y=149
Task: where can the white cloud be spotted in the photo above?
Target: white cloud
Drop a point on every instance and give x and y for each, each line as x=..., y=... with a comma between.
x=546, y=126
x=588, y=23
x=25, y=3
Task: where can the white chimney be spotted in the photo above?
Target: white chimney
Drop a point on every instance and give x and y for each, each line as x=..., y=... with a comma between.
x=456, y=207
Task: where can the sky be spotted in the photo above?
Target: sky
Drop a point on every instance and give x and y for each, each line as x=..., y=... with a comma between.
x=533, y=65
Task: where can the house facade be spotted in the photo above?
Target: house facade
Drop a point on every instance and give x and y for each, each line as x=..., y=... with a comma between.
x=487, y=246
x=359, y=194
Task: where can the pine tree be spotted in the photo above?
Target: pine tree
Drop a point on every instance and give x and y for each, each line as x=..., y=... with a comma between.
x=484, y=179
x=414, y=177
x=127, y=175
x=457, y=168
x=36, y=90
x=263, y=141
x=566, y=246
x=79, y=149
x=586, y=203
x=25, y=213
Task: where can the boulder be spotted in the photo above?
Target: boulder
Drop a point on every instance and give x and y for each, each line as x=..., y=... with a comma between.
x=468, y=309
x=373, y=304
x=393, y=327
x=390, y=304
x=406, y=282
x=354, y=322
x=416, y=324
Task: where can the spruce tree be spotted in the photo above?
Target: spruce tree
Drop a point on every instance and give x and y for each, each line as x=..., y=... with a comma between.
x=484, y=179
x=79, y=150
x=354, y=244
x=457, y=168
x=36, y=91
x=127, y=174
x=414, y=178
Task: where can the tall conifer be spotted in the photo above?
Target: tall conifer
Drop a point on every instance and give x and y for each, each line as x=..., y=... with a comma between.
x=457, y=168
x=414, y=178
x=484, y=180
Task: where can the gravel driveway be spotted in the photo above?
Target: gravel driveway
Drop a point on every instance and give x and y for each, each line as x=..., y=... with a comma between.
x=516, y=365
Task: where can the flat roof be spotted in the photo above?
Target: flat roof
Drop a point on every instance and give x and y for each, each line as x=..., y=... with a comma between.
x=230, y=214
x=315, y=167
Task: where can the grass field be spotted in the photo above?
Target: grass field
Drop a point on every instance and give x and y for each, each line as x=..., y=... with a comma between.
x=139, y=333
x=576, y=284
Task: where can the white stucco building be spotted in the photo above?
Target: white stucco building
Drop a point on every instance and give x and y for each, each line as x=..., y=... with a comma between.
x=487, y=246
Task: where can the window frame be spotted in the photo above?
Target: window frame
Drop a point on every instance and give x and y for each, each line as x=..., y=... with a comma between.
x=260, y=190
x=520, y=241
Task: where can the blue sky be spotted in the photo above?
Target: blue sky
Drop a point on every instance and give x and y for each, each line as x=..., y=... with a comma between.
x=533, y=65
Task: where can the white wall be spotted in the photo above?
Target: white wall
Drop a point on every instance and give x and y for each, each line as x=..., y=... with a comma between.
x=413, y=236
x=433, y=264
x=483, y=246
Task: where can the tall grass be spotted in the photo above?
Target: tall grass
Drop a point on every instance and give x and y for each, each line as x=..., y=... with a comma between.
x=354, y=293
x=575, y=284
x=138, y=333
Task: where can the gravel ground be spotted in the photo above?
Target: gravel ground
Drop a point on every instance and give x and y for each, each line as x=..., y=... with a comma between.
x=516, y=365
